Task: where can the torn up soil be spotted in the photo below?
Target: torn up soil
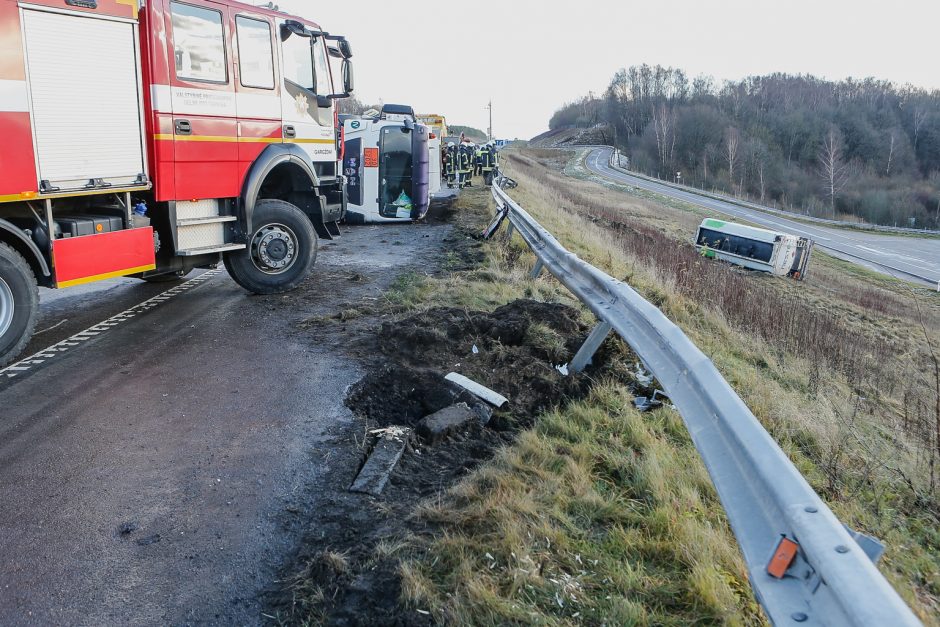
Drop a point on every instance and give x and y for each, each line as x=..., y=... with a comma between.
x=512, y=350
x=347, y=572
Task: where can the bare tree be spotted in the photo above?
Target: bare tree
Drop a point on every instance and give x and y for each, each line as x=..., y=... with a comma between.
x=664, y=126
x=732, y=140
x=919, y=117
x=831, y=167
x=890, y=155
x=760, y=173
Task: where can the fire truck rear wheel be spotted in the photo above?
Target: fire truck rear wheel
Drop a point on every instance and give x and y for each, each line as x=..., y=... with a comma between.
x=281, y=251
x=19, y=303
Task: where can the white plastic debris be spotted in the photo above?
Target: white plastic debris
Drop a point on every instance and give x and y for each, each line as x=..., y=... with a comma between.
x=476, y=351
x=392, y=433
x=493, y=398
x=563, y=369
x=643, y=377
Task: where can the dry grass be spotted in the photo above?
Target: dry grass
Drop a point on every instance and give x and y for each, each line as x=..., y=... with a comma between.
x=597, y=516
x=601, y=515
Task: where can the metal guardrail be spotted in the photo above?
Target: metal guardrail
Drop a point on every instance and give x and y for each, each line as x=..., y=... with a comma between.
x=831, y=580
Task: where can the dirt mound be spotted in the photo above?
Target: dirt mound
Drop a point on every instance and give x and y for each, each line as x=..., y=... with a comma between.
x=513, y=350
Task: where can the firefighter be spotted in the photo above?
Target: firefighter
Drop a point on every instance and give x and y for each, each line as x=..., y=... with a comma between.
x=450, y=164
x=469, y=152
x=463, y=166
x=486, y=163
x=477, y=160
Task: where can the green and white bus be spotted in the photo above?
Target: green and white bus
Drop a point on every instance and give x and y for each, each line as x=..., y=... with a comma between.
x=758, y=249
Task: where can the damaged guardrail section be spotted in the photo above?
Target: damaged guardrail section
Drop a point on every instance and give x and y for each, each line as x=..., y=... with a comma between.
x=805, y=567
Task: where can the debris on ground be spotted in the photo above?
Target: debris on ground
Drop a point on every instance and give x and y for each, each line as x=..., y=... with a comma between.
x=480, y=391
x=389, y=445
x=644, y=403
x=445, y=422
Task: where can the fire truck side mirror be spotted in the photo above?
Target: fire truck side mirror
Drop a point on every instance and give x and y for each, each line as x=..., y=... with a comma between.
x=349, y=79
x=345, y=48
x=293, y=27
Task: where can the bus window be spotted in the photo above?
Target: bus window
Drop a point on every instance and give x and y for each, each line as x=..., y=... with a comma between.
x=736, y=245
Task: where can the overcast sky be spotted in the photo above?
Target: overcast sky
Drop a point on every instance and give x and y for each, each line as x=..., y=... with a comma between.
x=530, y=57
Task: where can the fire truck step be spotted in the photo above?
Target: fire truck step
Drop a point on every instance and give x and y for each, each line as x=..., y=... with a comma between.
x=192, y=252
x=205, y=220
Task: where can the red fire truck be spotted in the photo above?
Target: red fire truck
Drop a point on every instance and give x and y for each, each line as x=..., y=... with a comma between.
x=149, y=138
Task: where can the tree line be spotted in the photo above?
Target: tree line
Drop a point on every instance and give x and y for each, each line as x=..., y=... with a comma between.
x=853, y=149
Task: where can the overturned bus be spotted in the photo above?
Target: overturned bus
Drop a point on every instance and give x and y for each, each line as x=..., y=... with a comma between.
x=758, y=249
x=386, y=164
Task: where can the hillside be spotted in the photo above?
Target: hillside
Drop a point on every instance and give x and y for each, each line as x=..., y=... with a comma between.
x=470, y=132
x=865, y=150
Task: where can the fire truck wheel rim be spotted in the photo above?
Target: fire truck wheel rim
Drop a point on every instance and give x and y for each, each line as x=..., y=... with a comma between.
x=274, y=249
x=7, y=307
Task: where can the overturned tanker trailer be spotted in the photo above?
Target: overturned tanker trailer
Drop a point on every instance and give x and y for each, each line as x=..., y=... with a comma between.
x=386, y=164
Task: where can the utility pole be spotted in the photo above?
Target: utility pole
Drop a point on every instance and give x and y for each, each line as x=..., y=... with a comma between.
x=489, y=131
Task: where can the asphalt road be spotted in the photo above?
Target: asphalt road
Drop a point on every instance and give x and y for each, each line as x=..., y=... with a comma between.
x=153, y=469
x=907, y=257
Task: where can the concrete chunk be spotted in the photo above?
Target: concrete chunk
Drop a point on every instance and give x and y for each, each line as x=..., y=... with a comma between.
x=389, y=445
x=440, y=424
x=493, y=398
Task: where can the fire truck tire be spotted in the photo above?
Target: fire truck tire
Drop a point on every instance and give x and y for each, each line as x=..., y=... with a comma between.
x=19, y=303
x=281, y=251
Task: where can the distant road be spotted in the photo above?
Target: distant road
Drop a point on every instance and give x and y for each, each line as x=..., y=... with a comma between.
x=906, y=257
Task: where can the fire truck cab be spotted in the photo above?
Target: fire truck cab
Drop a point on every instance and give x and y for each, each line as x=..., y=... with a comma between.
x=148, y=138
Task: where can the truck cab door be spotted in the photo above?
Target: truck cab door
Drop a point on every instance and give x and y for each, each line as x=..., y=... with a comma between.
x=306, y=109
x=205, y=133
x=257, y=90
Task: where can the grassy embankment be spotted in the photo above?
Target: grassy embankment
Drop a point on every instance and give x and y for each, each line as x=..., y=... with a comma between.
x=599, y=514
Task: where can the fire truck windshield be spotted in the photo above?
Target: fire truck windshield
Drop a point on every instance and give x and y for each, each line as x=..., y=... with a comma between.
x=306, y=65
x=298, y=62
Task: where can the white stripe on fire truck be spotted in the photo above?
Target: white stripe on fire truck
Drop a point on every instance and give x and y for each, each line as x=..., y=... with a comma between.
x=13, y=97
x=187, y=101
x=91, y=333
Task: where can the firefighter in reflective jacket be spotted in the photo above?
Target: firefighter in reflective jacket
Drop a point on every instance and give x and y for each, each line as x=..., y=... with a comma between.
x=477, y=160
x=487, y=163
x=464, y=165
x=450, y=164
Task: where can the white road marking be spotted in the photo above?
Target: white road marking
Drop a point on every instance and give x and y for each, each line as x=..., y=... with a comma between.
x=97, y=330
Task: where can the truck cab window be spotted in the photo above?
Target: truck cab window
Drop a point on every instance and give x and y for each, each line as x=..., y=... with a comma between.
x=322, y=70
x=199, y=44
x=255, y=53
x=298, y=62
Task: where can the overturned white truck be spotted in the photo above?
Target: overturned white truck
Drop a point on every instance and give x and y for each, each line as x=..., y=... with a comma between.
x=386, y=161
x=758, y=249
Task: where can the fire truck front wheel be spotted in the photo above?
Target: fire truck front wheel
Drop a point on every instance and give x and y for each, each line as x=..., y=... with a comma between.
x=280, y=253
x=19, y=303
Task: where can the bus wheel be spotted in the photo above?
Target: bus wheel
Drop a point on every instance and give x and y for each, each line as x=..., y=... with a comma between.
x=281, y=250
x=19, y=303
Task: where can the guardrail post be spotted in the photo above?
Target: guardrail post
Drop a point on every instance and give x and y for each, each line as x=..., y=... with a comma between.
x=509, y=230
x=583, y=358
x=537, y=270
